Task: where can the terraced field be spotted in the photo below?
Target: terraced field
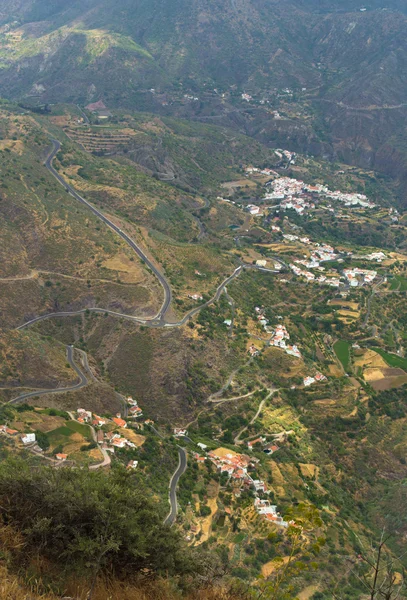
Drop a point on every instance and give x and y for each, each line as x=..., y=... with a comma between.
x=101, y=140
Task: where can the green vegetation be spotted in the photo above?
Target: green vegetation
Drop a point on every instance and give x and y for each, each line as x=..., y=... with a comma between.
x=398, y=283
x=342, y=351
x=90, y=524
x=392, y=359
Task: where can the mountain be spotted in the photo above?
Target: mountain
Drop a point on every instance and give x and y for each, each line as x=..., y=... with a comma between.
x=346, y=67
x=202, y=293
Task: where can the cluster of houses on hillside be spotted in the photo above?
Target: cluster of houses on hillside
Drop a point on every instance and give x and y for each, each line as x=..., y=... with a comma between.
x=279, y=335
x=377, y=256
x=324, y=252
x=299, y=196
x=310, y=380
x=110, y=440
x=253, y=170
x=237, y=466
x=356, y=277
x=278, y=339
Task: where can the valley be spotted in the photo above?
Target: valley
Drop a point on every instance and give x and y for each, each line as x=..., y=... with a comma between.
x=203, y=275
x=256, y=338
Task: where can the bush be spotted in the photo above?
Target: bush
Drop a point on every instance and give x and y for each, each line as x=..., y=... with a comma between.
x=42, y=440
x=205, y=511
x=89, y=522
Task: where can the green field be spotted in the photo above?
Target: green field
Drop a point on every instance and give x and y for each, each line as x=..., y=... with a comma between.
x=399, y=283
x=342, y=348
x=78, y=428
x=61, y=434
x=392, y=359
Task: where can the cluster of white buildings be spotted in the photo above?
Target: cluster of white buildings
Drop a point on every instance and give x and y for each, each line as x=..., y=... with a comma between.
x=252, y=170
x=321, y=253
x=377, y=256
x=278, y=339
x=357, y=277
x=279, y=335
x=236, y=466
x=269, y=511
x=295, y=194
x=310, y=380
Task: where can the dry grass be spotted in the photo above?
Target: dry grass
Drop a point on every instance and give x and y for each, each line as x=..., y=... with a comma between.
x=222, y=452
x=272, y=566
x=13, y=589
x=130, y=435
x=370, y=359
x=309, y=470
x=130, y=272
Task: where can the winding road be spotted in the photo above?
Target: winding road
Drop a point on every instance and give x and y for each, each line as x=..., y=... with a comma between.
x=182, y=466
x=83, y=380
x=159, y=320
x=167, y=290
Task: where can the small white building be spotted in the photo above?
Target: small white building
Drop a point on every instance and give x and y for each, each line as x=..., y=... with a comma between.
x=180, y=432
x=202, y=446
x=28, y=438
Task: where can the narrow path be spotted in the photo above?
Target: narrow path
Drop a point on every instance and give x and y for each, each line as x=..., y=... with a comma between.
x=106, y=457
x=369, y=302
x=83, y=381
x=365, y=108
x=217, y=402
x=182, y=466
x=214, y=397
x=232, y=306
x=256, y=416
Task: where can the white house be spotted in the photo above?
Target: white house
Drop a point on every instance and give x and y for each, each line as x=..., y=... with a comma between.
x=28, y=438
x=180, y=432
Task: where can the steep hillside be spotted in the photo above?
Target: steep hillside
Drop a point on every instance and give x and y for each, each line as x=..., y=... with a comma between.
x=343, y=71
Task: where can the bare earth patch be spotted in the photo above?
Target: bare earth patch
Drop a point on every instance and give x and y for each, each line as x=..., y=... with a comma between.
x=130, y=272
x=309, y=470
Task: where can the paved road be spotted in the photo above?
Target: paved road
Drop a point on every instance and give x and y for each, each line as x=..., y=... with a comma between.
x=83, y=380
x=156, y=321
x=182, y=465
x=106, y=456
x=159, y=319
x=164, y=283
x=256, y=416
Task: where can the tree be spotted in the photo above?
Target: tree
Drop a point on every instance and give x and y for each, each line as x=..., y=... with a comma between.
x=205, y=511
x=304, y=522
x=89, y=522
x=375, y=570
